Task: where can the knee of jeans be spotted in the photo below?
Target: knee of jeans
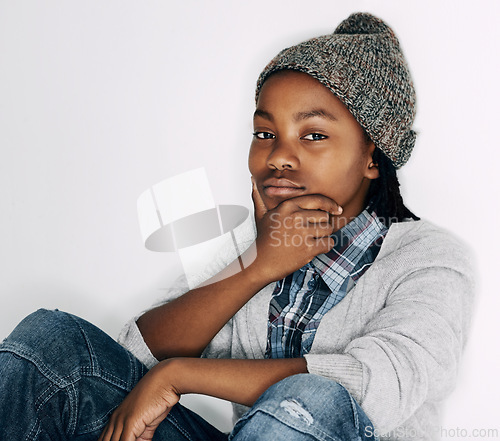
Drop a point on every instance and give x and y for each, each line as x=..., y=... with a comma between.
x=306, y=396
x=43, y=331
x=303, y=384
x=36, y=322
x=32, y=324
x=309, y=404
x=65, y=345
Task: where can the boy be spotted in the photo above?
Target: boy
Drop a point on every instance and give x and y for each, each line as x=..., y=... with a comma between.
x=350, y=315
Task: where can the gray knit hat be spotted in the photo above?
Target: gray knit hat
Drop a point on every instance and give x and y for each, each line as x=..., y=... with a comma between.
x=362, y=64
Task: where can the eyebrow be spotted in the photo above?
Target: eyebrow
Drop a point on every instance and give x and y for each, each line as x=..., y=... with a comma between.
x=263, y=114
x=322, y=113
x=299, y=116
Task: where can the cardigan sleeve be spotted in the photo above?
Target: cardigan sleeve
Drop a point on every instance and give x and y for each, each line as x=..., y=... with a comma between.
x=409, y=351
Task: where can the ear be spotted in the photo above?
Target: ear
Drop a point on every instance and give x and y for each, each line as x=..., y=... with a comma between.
x=371, y=171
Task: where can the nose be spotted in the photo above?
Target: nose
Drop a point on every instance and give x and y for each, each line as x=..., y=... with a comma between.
x=283, y=156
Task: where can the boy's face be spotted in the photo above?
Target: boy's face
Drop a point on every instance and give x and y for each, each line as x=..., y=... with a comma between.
x=307, y=142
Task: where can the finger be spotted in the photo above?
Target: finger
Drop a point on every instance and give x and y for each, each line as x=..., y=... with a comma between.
x=106, y=433
x=315, y=218
x=321, y=230
x=150, y=430
x=311, y=220
x=259, y=206
x=322, y=244
x=113, y=429
x=117, y=434
x=127, y=434
x=318, y=232
x=317, y=202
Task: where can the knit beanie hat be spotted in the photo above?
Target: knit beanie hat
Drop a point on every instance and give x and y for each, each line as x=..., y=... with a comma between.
x=362, y=64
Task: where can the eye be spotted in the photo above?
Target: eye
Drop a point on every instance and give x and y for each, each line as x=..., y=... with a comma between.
x=263, y=135
x=314, y=137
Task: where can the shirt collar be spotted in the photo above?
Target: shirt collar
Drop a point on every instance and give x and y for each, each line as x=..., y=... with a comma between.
x=352, y=243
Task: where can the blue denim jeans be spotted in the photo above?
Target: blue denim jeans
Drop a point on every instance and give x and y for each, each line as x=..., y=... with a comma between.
x=61, y=378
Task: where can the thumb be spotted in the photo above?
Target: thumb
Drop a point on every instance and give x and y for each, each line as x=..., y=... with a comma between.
x=148, y=433
x=258, y=203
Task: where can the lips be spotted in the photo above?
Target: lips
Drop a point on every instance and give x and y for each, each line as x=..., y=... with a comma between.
x=281, y=187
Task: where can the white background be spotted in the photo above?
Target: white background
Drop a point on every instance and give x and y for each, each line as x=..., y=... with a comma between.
x=101, y=100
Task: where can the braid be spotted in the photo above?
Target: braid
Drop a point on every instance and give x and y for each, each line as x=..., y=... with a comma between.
x=384, y=195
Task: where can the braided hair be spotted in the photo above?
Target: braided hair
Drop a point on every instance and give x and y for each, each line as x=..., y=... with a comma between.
x=384, y=196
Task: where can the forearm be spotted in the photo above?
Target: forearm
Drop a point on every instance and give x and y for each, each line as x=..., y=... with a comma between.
x=149, y=402
x=185, y=326
x=239, y=381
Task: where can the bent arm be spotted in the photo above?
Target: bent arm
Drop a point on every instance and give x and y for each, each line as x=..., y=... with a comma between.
x=185, y=326
x=239, y=381
x=148, y=404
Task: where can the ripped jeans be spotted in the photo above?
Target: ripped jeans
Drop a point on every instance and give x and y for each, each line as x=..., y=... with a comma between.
x=61, y=378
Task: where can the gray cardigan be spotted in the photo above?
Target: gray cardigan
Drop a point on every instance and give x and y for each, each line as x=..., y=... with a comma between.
x=394, y=341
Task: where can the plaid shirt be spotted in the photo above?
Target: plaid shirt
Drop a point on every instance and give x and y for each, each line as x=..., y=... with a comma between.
x=300, y=300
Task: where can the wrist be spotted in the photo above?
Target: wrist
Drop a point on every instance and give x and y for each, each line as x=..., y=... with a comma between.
x=187, y=375
x=256, y=271
x=174, y=370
